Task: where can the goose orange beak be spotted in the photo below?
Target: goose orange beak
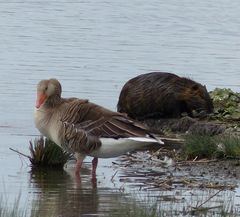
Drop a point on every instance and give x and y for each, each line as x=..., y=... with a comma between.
x=40, y=99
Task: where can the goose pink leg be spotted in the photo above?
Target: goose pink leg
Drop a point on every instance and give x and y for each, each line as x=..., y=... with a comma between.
x=78, y=167
x=94, y=166
x=79, y=162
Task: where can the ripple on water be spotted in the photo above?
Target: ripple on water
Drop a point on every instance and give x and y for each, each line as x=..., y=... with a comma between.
x=94, y=48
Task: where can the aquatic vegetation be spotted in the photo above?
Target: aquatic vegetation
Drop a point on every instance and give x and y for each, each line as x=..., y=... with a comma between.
x=226, y=104
x=138, y=205
x=135, y=205
x=225, y=145
x=45, y=153
x=134, y=210
x=13, y=211
x=205, y=146
x=230, y=146
x=200, y=146
x=200, y=206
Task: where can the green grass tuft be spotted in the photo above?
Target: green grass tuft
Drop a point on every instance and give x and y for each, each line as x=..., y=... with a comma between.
x=210, y=147
x=45, y=153
x=231, y=146
x=200, y=146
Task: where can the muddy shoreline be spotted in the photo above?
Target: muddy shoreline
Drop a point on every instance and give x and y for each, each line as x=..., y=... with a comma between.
x=168, y=174
x=165, y=169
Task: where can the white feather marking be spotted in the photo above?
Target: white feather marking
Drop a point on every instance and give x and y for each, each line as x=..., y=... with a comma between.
x=115, y=147
x=144, y=139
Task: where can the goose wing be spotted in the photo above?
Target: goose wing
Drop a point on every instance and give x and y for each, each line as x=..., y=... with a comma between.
x=84, y=123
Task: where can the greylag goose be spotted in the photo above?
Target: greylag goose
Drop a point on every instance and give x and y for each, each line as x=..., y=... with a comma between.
x=84, y=128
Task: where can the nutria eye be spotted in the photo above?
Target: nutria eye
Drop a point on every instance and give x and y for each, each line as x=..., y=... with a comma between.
x=46, y=88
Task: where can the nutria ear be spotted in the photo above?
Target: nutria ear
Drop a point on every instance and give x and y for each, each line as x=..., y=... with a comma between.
x=195, y=87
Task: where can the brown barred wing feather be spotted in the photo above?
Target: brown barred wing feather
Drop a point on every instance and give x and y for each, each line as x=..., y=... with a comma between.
x=78, y=140
x=115, y=127
x=74, y=111
x=85, y=123
x=121, y=126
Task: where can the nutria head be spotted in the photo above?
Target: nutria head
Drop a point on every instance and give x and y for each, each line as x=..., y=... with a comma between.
x=196, y=98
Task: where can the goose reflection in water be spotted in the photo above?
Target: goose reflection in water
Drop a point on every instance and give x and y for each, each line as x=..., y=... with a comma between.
x=58, y=193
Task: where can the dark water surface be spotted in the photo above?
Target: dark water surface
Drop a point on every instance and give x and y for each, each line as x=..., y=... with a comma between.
x=93, y=48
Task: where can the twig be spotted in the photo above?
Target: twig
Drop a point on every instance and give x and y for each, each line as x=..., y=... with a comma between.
x=20, y=153
x=195, y=158
x=208, y=199
x=172, y=139
x=204, y=209
x=196, y=162
x=113, y=176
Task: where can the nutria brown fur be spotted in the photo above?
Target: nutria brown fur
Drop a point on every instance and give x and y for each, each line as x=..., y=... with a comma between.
x=163, y=95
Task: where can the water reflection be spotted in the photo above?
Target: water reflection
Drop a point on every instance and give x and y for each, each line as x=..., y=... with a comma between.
x=58, y=193
x=94, y=47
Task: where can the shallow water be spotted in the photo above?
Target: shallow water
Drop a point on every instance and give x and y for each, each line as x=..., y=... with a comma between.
x=94, y=47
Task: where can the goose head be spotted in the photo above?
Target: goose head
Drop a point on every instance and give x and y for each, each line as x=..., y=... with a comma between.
x=48, y=92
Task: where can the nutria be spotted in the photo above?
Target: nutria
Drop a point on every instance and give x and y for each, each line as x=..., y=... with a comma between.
x=163, y=95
